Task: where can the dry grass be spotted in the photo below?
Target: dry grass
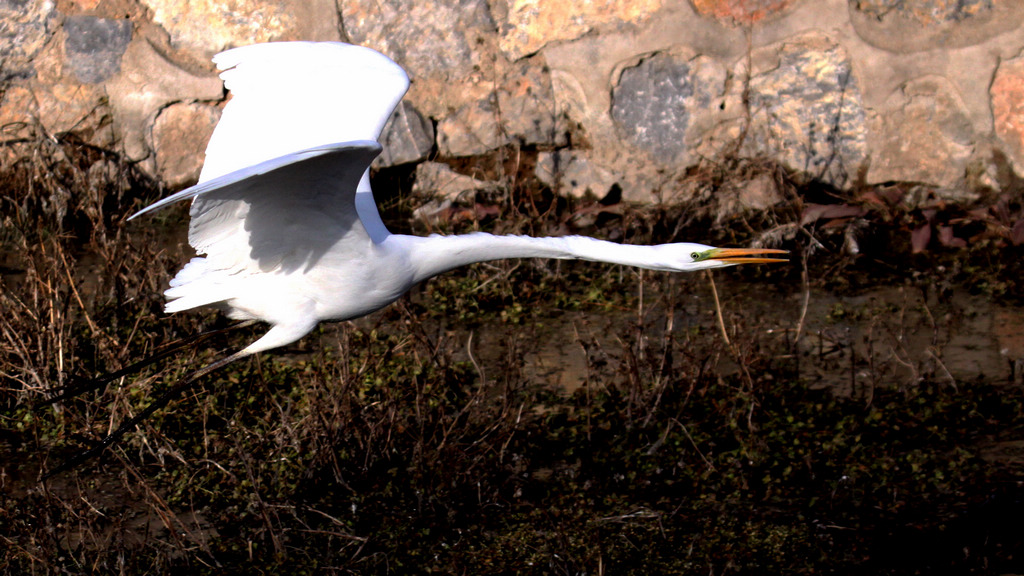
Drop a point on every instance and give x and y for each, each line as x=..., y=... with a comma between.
x=427, y=438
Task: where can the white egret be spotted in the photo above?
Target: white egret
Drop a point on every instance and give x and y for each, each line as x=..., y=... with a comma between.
x=285, y=223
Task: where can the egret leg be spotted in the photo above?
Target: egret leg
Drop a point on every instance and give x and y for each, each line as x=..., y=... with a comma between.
x=153, y=406
x=81, y=387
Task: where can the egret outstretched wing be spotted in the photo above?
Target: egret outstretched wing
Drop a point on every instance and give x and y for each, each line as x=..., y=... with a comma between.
x=255, y=171
x=285, y=223
x=280, y=216
x=286, y=174
x=292, y=96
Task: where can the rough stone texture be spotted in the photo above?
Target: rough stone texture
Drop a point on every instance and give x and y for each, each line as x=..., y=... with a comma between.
x=806, y=109
x=523, y=110
x=57, y=106
x=69, y=106
x=571, y=173
x=209, y=26
x=17, y=108
x=904, y=89
x=23, y=32
x=654, y=101
x=179, y=130
x=439, y=180
x=923, y=136
x=444, y=187
x=408, y=137
x=54, y=100
x=94, y=46
x=741, y=11
x=432, y=39
x=526, y=103
x=448, y=47
x=1008, y=109
x=926, y=12
x=755, y=195
x=913, y=25
x=472, y=130
x=146, y=84
x=526, y=26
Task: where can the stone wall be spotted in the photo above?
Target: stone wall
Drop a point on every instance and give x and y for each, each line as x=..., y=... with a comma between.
x=611, y=92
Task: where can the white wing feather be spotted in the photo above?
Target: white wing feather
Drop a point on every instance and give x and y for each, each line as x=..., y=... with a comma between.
x=282, y=220
x=286, y=176
x=292, y=96
x=253, y=171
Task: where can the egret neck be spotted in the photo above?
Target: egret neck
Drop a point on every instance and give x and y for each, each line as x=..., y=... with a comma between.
x=435, y=254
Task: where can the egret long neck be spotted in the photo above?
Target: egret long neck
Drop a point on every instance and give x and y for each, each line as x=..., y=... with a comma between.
x=435, y=254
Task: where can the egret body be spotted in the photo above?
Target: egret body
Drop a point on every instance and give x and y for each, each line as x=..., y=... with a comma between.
x=283, y=216
x=284, y=222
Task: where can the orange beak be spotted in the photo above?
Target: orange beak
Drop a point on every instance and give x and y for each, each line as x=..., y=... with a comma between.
x=744, y=255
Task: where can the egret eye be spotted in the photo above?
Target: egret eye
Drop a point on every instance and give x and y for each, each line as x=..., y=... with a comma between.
x=695, y=256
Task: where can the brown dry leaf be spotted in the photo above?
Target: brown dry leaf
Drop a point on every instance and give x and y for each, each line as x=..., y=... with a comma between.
x=947, y=238
x=920, y=238
x=1017, y=233
x=815, y=212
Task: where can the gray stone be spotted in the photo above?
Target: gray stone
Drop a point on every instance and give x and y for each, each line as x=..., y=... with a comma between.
x=526, y=102
x=57, y=101
x=408, y=137
x=441, y=188
x=94, y=46
x=752, y=194
x=654, y=103
x=23, y=32
x=472, y=130
x=649, y=105
x=572, y=173
x=429, y=39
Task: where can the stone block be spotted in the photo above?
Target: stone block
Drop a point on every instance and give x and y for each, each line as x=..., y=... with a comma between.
x=146, y=84
x=573, y=173
x=408, y=137
x=94, y=46
x=655, y=102
x=206, y=27
x=24, y=29
x=923, y=134
x=806, y=109
x=1007, y=92
x=526, y=26
x=180, y=130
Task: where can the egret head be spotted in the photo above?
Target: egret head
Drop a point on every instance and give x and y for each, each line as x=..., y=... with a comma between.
x=702, y=257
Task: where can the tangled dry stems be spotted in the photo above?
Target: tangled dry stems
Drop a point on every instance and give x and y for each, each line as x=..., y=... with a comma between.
x=404, y=443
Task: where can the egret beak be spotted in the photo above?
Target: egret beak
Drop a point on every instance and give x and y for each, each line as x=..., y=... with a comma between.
x=742, y=255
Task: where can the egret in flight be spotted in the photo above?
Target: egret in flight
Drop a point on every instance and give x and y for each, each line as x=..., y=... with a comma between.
x=284, y=221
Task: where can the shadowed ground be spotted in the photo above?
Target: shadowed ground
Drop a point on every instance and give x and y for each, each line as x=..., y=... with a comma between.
x=859, y=410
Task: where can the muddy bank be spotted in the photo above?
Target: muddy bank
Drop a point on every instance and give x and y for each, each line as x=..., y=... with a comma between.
x=847, y=344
